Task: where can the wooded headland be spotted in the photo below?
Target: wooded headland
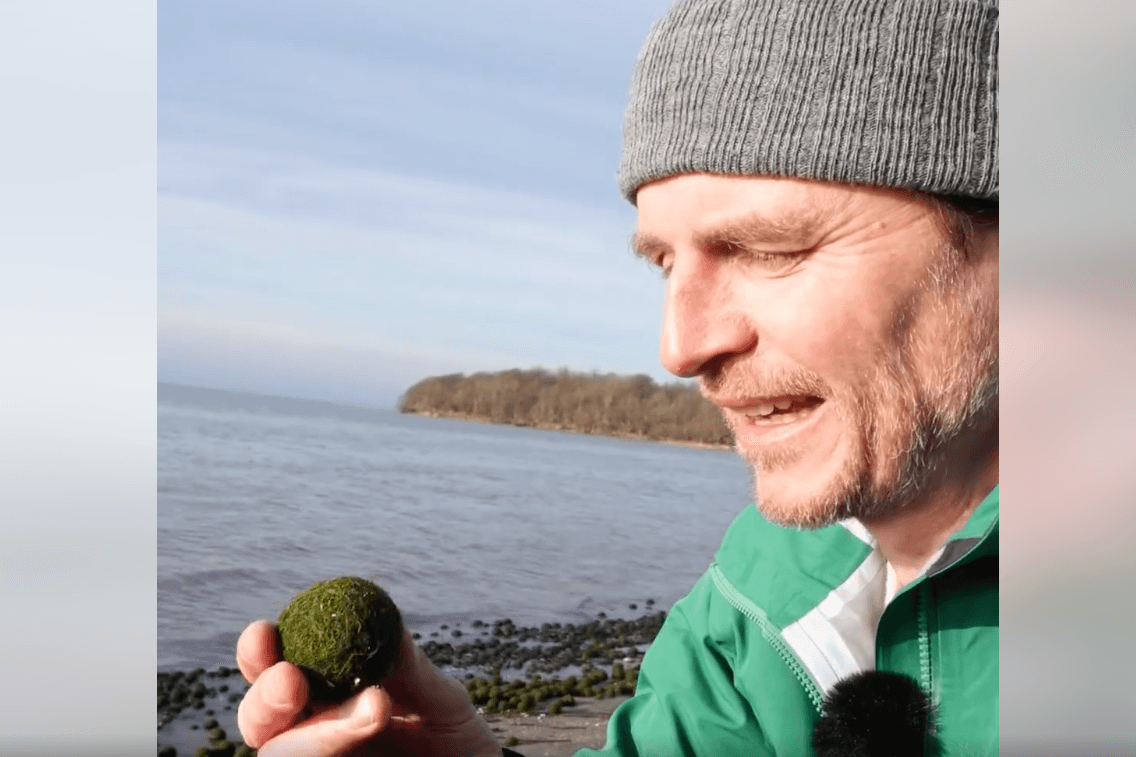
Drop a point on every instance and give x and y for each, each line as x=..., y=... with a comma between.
x=626, y=406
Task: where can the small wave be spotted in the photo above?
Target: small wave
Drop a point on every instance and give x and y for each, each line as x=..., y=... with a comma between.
x=244, y=578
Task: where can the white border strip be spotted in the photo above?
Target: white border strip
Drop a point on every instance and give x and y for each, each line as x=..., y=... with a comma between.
x=856, y=528
x=837, y=638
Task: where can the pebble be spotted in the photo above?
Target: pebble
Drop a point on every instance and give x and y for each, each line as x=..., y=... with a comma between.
x=547, y=650
x=550, y=648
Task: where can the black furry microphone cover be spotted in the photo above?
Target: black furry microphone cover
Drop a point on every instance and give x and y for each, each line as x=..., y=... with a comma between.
x=875, y=714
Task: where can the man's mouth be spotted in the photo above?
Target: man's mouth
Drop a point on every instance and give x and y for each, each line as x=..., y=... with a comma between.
x=775, y=411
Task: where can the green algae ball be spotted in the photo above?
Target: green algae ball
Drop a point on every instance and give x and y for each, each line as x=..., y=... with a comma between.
x=345, y=635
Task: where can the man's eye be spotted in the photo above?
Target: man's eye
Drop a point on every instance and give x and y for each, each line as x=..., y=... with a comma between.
x=776, y=261
x=774, y=257
x=746, y=255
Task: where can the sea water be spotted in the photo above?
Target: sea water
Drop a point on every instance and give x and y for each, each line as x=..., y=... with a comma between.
x=258, y=498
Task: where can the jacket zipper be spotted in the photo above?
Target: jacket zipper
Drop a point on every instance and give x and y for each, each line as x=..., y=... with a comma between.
x=769, y=632
x=922, y=601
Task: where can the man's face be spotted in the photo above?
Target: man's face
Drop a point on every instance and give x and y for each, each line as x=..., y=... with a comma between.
x=847, y=344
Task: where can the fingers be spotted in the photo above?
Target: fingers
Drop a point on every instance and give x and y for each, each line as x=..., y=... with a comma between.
x=438, y=703
x=272, y=704
x=333, y=731
x=415, y=682
x=419, y=687
x=270, y=717
x=258, y=649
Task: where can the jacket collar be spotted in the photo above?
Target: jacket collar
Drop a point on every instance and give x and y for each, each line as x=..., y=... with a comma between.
x=788, y=571
x=977, y=538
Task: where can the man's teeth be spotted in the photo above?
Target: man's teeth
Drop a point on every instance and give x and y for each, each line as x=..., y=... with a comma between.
x=765, y=411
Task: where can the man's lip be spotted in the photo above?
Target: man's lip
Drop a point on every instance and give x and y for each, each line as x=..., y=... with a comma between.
x=742, y=404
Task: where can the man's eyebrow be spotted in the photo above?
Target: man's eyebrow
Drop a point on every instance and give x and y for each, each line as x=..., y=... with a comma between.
x=759, y=228
x=647, y=246
x=755, y=229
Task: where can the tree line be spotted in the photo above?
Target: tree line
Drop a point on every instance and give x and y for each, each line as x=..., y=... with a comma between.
x=608, y=404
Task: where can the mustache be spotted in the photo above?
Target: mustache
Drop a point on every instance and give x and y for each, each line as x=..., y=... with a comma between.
x=740, y=381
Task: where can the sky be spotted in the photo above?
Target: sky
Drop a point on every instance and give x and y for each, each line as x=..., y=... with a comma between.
x=355, y=195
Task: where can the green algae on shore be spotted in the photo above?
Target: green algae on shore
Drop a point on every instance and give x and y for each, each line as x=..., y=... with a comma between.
x=599, y=659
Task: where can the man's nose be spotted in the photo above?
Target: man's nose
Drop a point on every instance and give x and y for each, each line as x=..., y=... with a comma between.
x=703, y=324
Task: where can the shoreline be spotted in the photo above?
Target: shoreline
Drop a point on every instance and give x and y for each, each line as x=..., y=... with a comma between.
x=538, y=733
x=567, y=430
x=551, y=689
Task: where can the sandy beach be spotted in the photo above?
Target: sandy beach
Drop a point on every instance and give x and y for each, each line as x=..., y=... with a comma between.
x=579, y=727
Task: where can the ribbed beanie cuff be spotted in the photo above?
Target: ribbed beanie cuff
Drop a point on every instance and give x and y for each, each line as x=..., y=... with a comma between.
x=895, y=93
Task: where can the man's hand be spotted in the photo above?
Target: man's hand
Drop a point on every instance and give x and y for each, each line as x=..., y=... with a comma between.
x=417, y=712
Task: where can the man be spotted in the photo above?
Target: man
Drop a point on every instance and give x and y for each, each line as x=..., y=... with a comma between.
x=818, y=183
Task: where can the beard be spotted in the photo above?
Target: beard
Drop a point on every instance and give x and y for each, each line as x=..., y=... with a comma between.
x=932, y=390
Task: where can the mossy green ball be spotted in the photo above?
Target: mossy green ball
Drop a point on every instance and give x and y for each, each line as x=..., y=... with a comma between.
x=345, y=635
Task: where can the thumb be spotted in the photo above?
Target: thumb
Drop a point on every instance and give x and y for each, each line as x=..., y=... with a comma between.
x=334, y=730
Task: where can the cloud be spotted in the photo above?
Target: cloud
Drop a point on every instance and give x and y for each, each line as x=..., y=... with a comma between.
x=503, y=93
x=292, y=352
x=307, y=253
x=383, y=186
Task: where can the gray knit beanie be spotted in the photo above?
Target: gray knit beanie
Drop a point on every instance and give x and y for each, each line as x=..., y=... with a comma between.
x=895, y=93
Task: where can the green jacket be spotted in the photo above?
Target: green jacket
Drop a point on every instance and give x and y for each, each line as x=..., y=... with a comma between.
x=741, y=664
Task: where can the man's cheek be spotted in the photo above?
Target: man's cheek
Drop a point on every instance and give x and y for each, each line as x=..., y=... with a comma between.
x=831, y=338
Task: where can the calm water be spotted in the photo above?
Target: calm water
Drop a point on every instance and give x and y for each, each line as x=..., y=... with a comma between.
x=458, y=520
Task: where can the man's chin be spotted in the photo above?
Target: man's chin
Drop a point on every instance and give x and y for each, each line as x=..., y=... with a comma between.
x=797, y=515
x=794, y=500
x=794, y=507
